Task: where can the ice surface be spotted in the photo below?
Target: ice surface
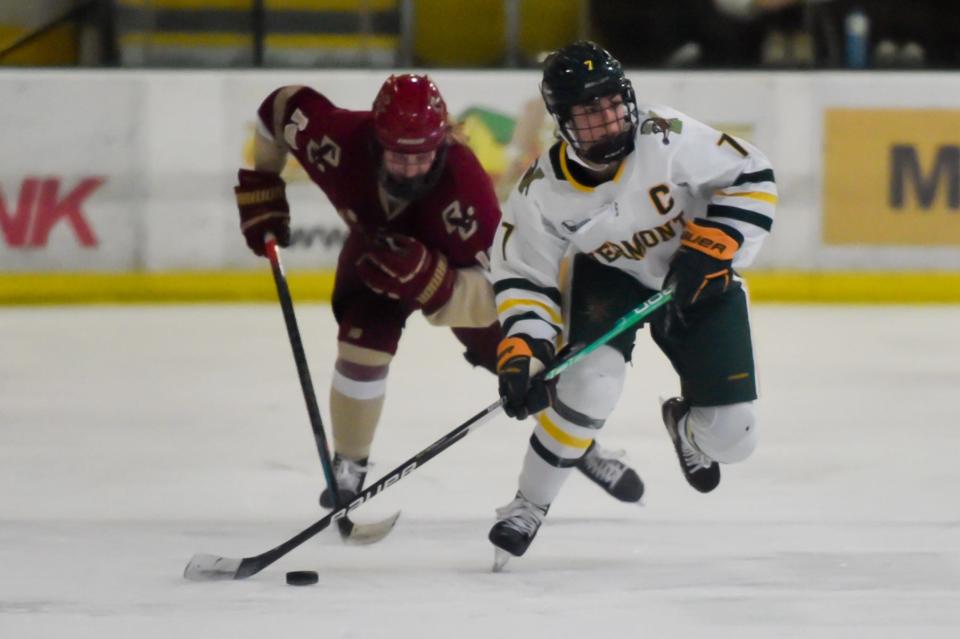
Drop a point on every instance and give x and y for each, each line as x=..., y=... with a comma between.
x=133, y=437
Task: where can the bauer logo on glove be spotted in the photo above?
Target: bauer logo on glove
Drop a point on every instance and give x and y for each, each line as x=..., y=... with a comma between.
x=702, y=267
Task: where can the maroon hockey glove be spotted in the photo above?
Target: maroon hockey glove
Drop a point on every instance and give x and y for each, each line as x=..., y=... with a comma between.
x=262, y=201
x=701, y=267
x=402, y=268
x=524, y=394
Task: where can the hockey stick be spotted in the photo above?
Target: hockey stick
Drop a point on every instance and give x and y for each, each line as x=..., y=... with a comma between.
x=206, y=567
x=350, y=531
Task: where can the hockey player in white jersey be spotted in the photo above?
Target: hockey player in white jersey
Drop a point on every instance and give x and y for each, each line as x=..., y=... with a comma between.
x=644, y=198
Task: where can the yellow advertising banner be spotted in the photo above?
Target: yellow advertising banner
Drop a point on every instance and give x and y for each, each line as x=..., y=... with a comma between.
x=891, y=176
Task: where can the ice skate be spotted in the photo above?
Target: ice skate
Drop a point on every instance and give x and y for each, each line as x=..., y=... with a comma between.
x=517, y=525
x=700, y=471
x=604, y=468
x=349, y=475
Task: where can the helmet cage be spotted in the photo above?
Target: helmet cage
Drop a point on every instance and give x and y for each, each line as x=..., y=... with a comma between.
x=411, y=188
x=609, y=148
x=580, y=75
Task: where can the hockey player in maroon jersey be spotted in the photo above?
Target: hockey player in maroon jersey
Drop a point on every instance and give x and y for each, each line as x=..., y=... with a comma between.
x=421, y=213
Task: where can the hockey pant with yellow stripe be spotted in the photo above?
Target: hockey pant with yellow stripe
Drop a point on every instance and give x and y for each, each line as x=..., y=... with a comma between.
x=720, y=387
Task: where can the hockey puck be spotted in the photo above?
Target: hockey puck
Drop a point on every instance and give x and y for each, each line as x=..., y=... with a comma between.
x=302, y=577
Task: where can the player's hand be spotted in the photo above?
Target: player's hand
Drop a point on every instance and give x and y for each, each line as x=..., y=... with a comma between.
x=519, y=359
x=262, y=200
x=701, y=268
x=402, y=268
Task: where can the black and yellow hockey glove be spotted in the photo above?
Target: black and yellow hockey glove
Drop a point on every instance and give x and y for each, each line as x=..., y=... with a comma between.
x=519, y=359
x=701, y=268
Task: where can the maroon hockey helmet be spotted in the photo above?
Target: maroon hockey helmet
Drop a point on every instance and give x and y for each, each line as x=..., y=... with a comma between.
x=409, y=114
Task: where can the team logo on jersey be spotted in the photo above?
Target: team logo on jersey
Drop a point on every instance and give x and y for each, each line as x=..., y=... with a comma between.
x=456, y=220
x=655, y=125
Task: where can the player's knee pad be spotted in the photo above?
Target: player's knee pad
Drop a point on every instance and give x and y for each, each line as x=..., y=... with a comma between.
x=727, y=434
x=593, y=385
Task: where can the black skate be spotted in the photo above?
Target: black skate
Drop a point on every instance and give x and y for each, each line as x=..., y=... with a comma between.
x=349, y=475
x=604, y=468
x=517, y=525
x=701, y=472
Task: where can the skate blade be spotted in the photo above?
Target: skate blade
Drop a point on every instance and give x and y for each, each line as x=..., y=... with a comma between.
x=500, y=559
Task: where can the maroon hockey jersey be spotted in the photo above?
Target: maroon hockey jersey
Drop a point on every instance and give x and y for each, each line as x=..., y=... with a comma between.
x=337, y=149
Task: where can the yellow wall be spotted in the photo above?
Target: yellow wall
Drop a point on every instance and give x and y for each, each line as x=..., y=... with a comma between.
x=469, y=33
x=56, y=48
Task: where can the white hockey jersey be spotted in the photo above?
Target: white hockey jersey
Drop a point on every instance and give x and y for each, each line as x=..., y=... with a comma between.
x=681, y=169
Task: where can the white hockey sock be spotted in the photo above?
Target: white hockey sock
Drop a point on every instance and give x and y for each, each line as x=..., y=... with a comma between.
x=539, y=481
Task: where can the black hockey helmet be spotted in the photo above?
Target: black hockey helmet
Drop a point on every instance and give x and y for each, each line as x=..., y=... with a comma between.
x=581, y=73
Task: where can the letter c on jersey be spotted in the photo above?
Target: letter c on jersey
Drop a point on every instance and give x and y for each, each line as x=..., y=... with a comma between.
x=660, y=196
